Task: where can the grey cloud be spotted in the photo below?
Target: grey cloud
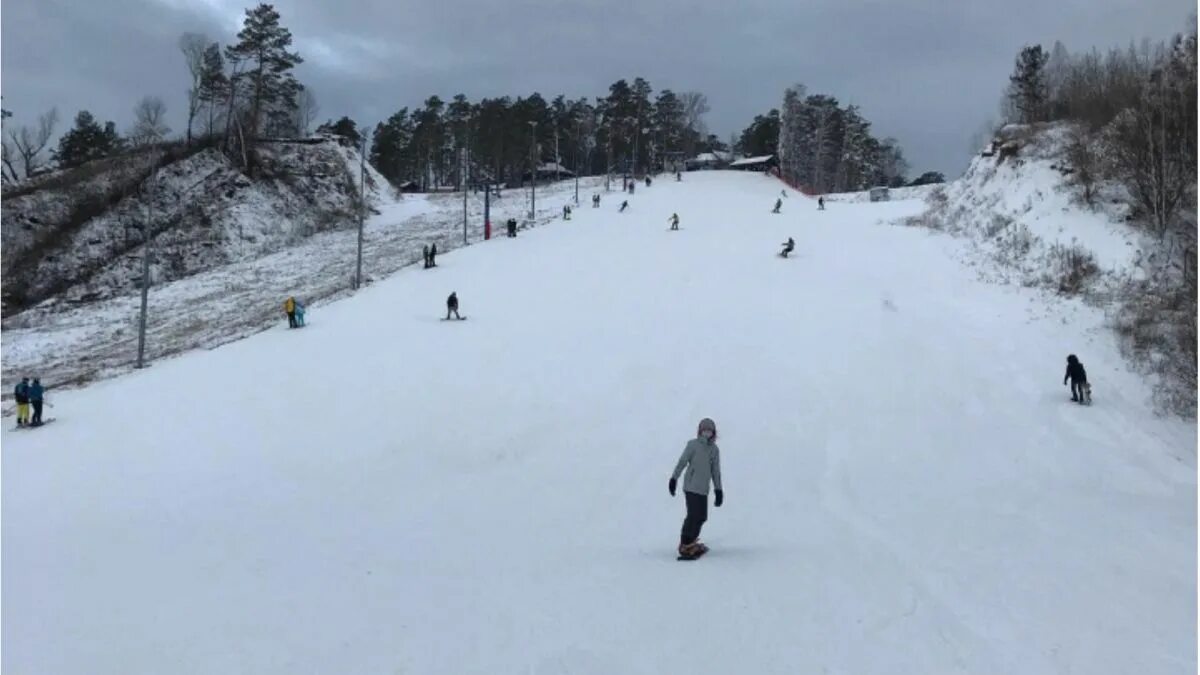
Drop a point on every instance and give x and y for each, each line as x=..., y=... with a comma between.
x=928, y=73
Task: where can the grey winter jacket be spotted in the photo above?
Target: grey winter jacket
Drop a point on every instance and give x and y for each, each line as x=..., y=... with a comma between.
x=703, y=461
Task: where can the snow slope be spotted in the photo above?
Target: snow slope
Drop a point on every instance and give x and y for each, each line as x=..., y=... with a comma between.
x=72, y=344
x=908, y=489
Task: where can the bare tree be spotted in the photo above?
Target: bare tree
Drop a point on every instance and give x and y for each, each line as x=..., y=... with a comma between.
x=148, y=126
x=306, y=110
x=27, y=144
x=193, y=46
x=695, y=106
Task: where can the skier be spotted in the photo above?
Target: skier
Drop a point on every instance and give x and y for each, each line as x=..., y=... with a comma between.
x=647, y=181
x=783, y=193
x=624, y=205
x=678, y=177
x=35, y=398
x=674, y=221
x=702, y=458
x=566, y=212
x=425, y=255
x=299, y=314
x=452, y=306
x=1078, y=377
x=596, y=201
x=512, y=227
x=778, y=205
x=289, y=308
x=433, y=255
x=820, y=203
x=788, y=247
x=21, y=393
x=631, y=186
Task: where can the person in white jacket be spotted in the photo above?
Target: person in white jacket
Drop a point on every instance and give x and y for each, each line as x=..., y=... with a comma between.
x=702, y=459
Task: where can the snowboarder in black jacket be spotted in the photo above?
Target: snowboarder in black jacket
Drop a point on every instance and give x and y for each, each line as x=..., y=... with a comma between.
x=1078, y=377
x=452, y=306
x=433, y=255
x=624, y=205
x=788, y=247
x=778, y=205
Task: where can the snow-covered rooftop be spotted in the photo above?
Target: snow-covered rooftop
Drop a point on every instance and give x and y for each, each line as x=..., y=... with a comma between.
x=752, y=160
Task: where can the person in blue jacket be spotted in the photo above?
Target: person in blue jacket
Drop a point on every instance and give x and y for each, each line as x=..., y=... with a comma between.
x=36, y=394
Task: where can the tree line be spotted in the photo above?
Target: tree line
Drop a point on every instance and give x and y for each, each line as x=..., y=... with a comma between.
x=824, y=147
x=499, y=139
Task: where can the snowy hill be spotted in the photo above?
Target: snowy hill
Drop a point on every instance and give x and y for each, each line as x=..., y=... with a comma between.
x=908, y=487
x=1021, y=214
x=80, y=239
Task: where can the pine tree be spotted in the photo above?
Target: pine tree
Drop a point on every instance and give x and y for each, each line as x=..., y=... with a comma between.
x=214, y=86
x=263, y=62
x=87, y=141
x=1027, y=85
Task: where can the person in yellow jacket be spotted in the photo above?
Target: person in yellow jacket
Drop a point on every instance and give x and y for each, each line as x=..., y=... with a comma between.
x=289, y=307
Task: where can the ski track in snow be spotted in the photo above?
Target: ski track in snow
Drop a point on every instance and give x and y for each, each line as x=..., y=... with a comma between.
x=908, y=487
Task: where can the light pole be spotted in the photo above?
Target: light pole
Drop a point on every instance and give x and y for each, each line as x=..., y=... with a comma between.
x=576, y=146
x=362, y=208
x=465, y=161
x=533, y=171
x=146, y=253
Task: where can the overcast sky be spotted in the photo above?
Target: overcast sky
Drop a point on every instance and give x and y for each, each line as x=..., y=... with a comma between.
x=926, y=72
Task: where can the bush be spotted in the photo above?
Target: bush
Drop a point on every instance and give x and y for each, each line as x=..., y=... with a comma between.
x=1072, y=267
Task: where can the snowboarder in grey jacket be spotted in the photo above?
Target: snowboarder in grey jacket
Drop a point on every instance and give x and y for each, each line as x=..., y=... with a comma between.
x=702, y=459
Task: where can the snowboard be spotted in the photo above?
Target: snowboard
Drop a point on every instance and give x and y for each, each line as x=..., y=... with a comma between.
x=694, y=556
x=46, y=421
x=461, y=318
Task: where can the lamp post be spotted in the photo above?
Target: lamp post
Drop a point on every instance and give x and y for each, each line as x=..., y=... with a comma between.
x=533, y=171
x=362, y=208
x=146, y=253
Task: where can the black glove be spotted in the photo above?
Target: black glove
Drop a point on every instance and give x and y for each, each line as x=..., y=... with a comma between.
x=720, y=498
x=671, y=487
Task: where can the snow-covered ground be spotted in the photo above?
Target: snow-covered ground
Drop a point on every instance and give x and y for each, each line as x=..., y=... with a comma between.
x=68, y=345
x=908, y=487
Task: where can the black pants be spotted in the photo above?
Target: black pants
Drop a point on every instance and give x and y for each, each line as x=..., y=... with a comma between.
x=37, y=412
x=291, y=319
x=452, y=309
x=1077, y=389
x=697, y=513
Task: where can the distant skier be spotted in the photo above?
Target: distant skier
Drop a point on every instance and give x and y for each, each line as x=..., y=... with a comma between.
x=512, y=227
x=778, y=205
x=820, y=203
x=632, y=185
x=624, y=205
x=433, y=255
x=566, y=212
x=702, y=458
x=678, y=177
x=596, y=201
x=35, y=398
x=299, y=314
x=425, y=255
x=1080, y=390
x=452, y=306
x=674, y=221
x=21, y=394
x=783, y=193
x=289, y=308
x=647, y=181
x=788, y=247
